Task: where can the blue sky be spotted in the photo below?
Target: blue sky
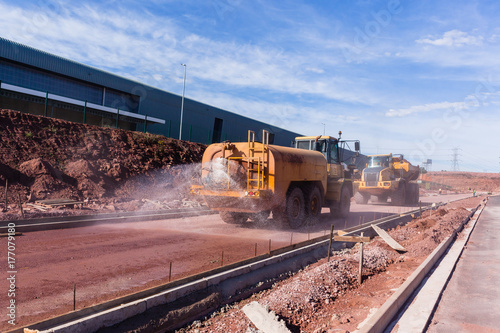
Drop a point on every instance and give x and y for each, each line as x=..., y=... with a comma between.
x=414, y=77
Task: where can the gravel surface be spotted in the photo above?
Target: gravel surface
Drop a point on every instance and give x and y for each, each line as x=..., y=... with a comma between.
x=326, y=296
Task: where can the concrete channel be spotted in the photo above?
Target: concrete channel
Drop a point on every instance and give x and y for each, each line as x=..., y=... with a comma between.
x=191, y=298
x=63, y=222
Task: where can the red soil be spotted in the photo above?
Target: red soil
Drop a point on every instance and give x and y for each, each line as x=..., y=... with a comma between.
x=45, y=158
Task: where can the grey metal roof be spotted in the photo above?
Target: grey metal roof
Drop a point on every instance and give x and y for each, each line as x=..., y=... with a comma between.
x=30, y=56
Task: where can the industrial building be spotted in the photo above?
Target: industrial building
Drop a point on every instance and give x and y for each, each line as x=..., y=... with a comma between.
x=41, y=83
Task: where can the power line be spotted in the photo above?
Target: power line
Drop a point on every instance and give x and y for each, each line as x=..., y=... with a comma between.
x=455, y=159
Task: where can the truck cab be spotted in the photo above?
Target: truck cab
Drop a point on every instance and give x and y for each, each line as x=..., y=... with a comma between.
x=339, y=175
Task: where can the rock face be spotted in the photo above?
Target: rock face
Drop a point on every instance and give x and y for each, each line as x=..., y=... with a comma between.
x=49, y=158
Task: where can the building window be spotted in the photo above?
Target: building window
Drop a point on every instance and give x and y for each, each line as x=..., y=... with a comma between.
x=217, y=130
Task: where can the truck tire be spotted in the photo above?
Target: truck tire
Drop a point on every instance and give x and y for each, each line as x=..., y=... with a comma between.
x=314, y=205
x=414, y=194
x=233, y=217
x=342, y=208
x=417, y=194
x=398, y=198
x=410, y=194
x=260, y=217
x=361, y=199
x=295, y=208
x=382, y=198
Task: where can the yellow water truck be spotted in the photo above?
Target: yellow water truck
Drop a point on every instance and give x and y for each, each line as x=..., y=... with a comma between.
x=251, y=179
x=385, y=176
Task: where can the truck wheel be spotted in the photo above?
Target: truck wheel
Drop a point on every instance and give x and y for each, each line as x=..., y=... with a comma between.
x=233, y=217
x=361, y=199
x=410, y=194
x=382, y=198
x=260, y=217
x=417, y=194
x=399, y=196
x=314, y=205
x=342, y=208
x=414, y=193
x=295, y=208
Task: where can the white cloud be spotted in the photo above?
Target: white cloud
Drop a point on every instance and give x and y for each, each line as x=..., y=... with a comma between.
x=425, y=108
x=152, y=46
x=315, y=70
x=453, y=38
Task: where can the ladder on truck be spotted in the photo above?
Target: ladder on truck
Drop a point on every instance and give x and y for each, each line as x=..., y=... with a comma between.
x=257, y=159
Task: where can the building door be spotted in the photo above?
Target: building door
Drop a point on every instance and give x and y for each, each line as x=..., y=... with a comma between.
x=217, y=130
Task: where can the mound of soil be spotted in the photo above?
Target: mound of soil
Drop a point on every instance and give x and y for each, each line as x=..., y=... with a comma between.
x=45, y=158
x=465, y=181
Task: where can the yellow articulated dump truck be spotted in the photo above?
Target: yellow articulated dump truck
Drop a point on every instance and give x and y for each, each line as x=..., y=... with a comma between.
x=249, y=180
x=388, y=176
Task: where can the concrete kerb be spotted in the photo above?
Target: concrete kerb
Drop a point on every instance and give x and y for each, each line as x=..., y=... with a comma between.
x=418, y=315
x=385, y=314
x=51, y=223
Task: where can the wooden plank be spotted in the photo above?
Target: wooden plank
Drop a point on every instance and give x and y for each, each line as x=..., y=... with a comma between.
x=7, y=234
x=66, y=203
x=354, y=239
x=341, y=232
x=41, y=208
x=388, y=239
x=49, y=203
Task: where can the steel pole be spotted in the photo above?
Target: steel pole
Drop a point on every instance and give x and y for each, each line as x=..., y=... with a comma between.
x=182, y=102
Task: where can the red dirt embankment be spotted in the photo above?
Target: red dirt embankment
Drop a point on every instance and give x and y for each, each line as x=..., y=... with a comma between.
x=465, y=181
x=45, y=158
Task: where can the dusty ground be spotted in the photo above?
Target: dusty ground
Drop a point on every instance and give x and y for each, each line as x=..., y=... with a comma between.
x=326, y=296
x=109, y=261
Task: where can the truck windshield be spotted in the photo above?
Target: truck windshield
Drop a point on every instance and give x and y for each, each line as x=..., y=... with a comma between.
x=304, y=144
x=378, y=161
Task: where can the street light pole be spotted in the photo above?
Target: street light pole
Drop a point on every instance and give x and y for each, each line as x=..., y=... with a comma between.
x=324, y=128
x=182, y=103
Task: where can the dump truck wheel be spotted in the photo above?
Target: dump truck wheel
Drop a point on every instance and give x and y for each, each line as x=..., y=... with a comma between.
x=260, y=217
x=233, y=217
x=417, y=194
x=399, y=196
x=296, y=208
x=410, y=194
x=314, y=205
x=361, y=199
x=382, y=198
x=342, y=208
x=414, y=193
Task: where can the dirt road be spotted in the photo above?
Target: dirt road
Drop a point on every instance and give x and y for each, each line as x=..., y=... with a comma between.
x=107, y=261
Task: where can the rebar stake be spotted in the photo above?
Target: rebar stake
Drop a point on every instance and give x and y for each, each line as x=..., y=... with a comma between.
x=360, y=277
x=330, y=244
x=74, y=296
x=170, y=272
x=6, y=187
x=20, y=205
